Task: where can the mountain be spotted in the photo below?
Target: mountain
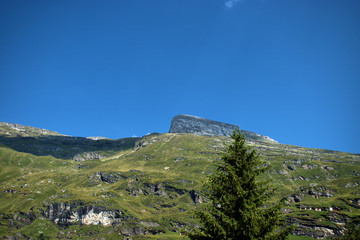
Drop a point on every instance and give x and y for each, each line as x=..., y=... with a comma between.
x=147, y=188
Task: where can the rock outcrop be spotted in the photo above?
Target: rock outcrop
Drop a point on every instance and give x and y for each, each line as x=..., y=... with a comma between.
x=206, y=127
x=108, y=177
x=70, y=213
x=88, y=156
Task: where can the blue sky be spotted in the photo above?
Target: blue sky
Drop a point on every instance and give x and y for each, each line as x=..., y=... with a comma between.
x=286, y=69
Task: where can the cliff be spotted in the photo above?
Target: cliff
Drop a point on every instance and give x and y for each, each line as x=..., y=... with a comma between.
x=205, y=127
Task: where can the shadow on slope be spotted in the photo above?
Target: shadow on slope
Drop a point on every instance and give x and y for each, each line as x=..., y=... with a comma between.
x=66, y=147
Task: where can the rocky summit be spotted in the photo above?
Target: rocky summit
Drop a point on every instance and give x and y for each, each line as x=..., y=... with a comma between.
x=54, y=186
x=17, y=130
x=205, y=127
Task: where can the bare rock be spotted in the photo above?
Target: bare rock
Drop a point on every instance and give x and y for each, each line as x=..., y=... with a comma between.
x=206, y=127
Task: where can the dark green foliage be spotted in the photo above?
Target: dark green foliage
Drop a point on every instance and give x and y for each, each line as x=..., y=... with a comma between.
x=236, y=209
x=352, y=232
x=42, y=237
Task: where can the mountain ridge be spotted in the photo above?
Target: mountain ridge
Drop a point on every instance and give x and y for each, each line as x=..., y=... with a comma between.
x=10, y=130
x=14, y=130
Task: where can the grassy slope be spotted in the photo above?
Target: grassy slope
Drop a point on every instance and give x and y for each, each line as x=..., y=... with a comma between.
x=181, y=161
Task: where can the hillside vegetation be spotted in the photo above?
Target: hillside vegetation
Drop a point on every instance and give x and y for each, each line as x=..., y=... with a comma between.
x=147, y=188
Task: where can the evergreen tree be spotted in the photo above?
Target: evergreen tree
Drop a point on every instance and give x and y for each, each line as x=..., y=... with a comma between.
x=352, y=232
x=236, y=207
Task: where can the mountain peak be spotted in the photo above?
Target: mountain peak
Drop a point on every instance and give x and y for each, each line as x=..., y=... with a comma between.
x=184, y=123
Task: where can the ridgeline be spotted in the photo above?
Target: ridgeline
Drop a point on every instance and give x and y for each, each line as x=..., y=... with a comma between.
x=65, y=187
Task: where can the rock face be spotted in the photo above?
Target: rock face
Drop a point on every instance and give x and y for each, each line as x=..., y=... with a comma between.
x=108, y=177
x=69, y=213
x=202, y=126
x=87, y=156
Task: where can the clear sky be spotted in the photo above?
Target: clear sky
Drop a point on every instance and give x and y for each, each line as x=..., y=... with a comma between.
x=286, y=69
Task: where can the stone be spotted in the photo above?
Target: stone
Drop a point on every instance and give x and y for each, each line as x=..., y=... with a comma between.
x=283, y=172
x=291, y=167
x=149, y=224
x=197, y=199
x=298, y=197
x=108, y=177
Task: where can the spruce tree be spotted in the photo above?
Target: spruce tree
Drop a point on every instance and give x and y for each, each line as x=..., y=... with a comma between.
x=238, y=205
x=352, y=232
